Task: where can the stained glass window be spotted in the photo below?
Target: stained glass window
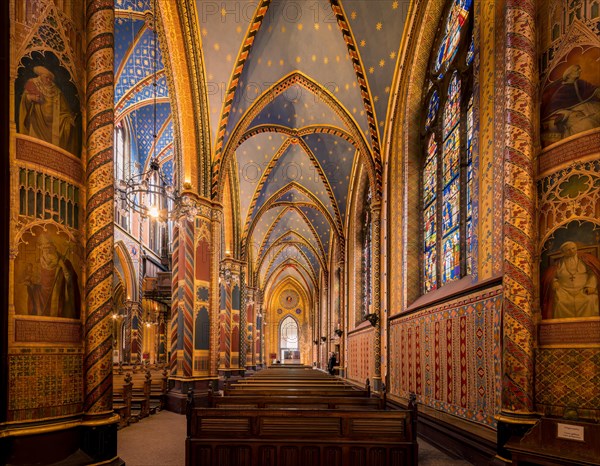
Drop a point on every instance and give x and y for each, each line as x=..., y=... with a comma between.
x=366, y=258
x=447, y=173
x=455, y=23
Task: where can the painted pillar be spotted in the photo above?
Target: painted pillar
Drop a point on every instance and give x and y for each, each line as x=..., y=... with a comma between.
x=243, y=317
x=519, y=210
x=194, y=289
x=343, y=324
x=99, y=208
x=376, y=287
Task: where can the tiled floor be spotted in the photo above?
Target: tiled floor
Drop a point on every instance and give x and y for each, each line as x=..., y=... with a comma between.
x=159, y=441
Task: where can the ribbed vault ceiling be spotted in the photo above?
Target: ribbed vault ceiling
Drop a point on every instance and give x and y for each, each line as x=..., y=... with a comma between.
x=298, y=94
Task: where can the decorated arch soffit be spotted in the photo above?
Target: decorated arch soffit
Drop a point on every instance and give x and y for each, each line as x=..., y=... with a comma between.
x=126, y=271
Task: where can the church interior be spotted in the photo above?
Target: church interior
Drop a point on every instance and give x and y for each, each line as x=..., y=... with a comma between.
x=396, y=201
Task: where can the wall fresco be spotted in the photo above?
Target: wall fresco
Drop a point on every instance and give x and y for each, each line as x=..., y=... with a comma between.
x=570, y=271
x=47, y=105
x=570, y=102
x=48, y=274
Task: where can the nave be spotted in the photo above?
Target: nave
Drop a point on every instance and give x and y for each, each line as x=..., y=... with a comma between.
x=399, y=191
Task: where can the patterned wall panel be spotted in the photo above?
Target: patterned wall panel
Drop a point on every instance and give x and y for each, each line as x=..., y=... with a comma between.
x=568, y=378
x=450, y=357
x=361, y=363
x=44, y=385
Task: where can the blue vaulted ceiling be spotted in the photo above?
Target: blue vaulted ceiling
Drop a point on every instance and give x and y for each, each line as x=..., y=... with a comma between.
x=295, y=146
x=295, y=154
x=138, y=66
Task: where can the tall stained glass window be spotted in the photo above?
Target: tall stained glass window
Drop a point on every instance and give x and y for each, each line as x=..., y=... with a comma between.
x=447, y=135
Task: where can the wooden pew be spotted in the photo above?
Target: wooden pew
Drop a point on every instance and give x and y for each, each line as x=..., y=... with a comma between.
x=122, y=398
x=140, y=395
x=287, y=402
x=276, y=437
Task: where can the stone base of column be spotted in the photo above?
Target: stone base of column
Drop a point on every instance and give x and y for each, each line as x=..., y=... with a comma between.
x=75, y=446
x=377, y=384
x=228, y=373
x=511, y=425
x=178, y=389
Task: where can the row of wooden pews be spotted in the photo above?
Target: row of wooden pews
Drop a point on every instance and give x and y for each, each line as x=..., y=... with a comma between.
x=138, y=391
x=297, y=416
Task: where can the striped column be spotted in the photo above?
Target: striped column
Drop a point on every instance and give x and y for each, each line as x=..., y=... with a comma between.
x=243, y=317
x=376, y=289
x=99, y=207
x=519, y=208
x=183, y=299
x=174, y=328
x=215, y=295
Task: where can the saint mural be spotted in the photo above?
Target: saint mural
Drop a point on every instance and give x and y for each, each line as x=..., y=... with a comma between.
x=570, y=285
x=47, y=108
x=47, y=282
x=570, y=103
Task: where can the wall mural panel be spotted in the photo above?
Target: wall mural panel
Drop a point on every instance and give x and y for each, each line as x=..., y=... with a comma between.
x=570, y=271
x=449, y=357
x=47, y=105
x=48, y=274
x=571, y=96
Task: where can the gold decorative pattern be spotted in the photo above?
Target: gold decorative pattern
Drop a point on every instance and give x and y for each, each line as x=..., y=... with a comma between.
x=519, y=204
x=100, y=205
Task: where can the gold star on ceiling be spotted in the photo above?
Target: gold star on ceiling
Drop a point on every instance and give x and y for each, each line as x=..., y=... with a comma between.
x=379, y=26
x=381, y=62
x=363, y=43
x=394, y=5
x=393, y=55
x=353, y=15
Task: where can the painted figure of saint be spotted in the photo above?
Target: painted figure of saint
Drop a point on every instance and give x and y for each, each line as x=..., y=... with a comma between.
x=44, y=112
x=55, y=292
x=570, y=287
x=573, y=106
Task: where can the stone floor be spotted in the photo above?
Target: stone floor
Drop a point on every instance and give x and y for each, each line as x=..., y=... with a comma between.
x=159, y=440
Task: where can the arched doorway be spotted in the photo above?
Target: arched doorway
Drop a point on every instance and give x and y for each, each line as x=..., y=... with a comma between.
x=289, y=338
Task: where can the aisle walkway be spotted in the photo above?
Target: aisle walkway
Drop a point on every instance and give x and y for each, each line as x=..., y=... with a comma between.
x=159, y=440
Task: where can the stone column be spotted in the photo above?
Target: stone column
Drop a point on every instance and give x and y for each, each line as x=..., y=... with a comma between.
x=99, y=209
x=243, y=317
x=343, y=325
x=376, y=289
x=519, y=220
x=194, y=287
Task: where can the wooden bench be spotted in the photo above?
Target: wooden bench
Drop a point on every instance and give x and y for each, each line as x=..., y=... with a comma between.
x=122, y=398
x=287, y=402
x=140, y=395
x=277, y=437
